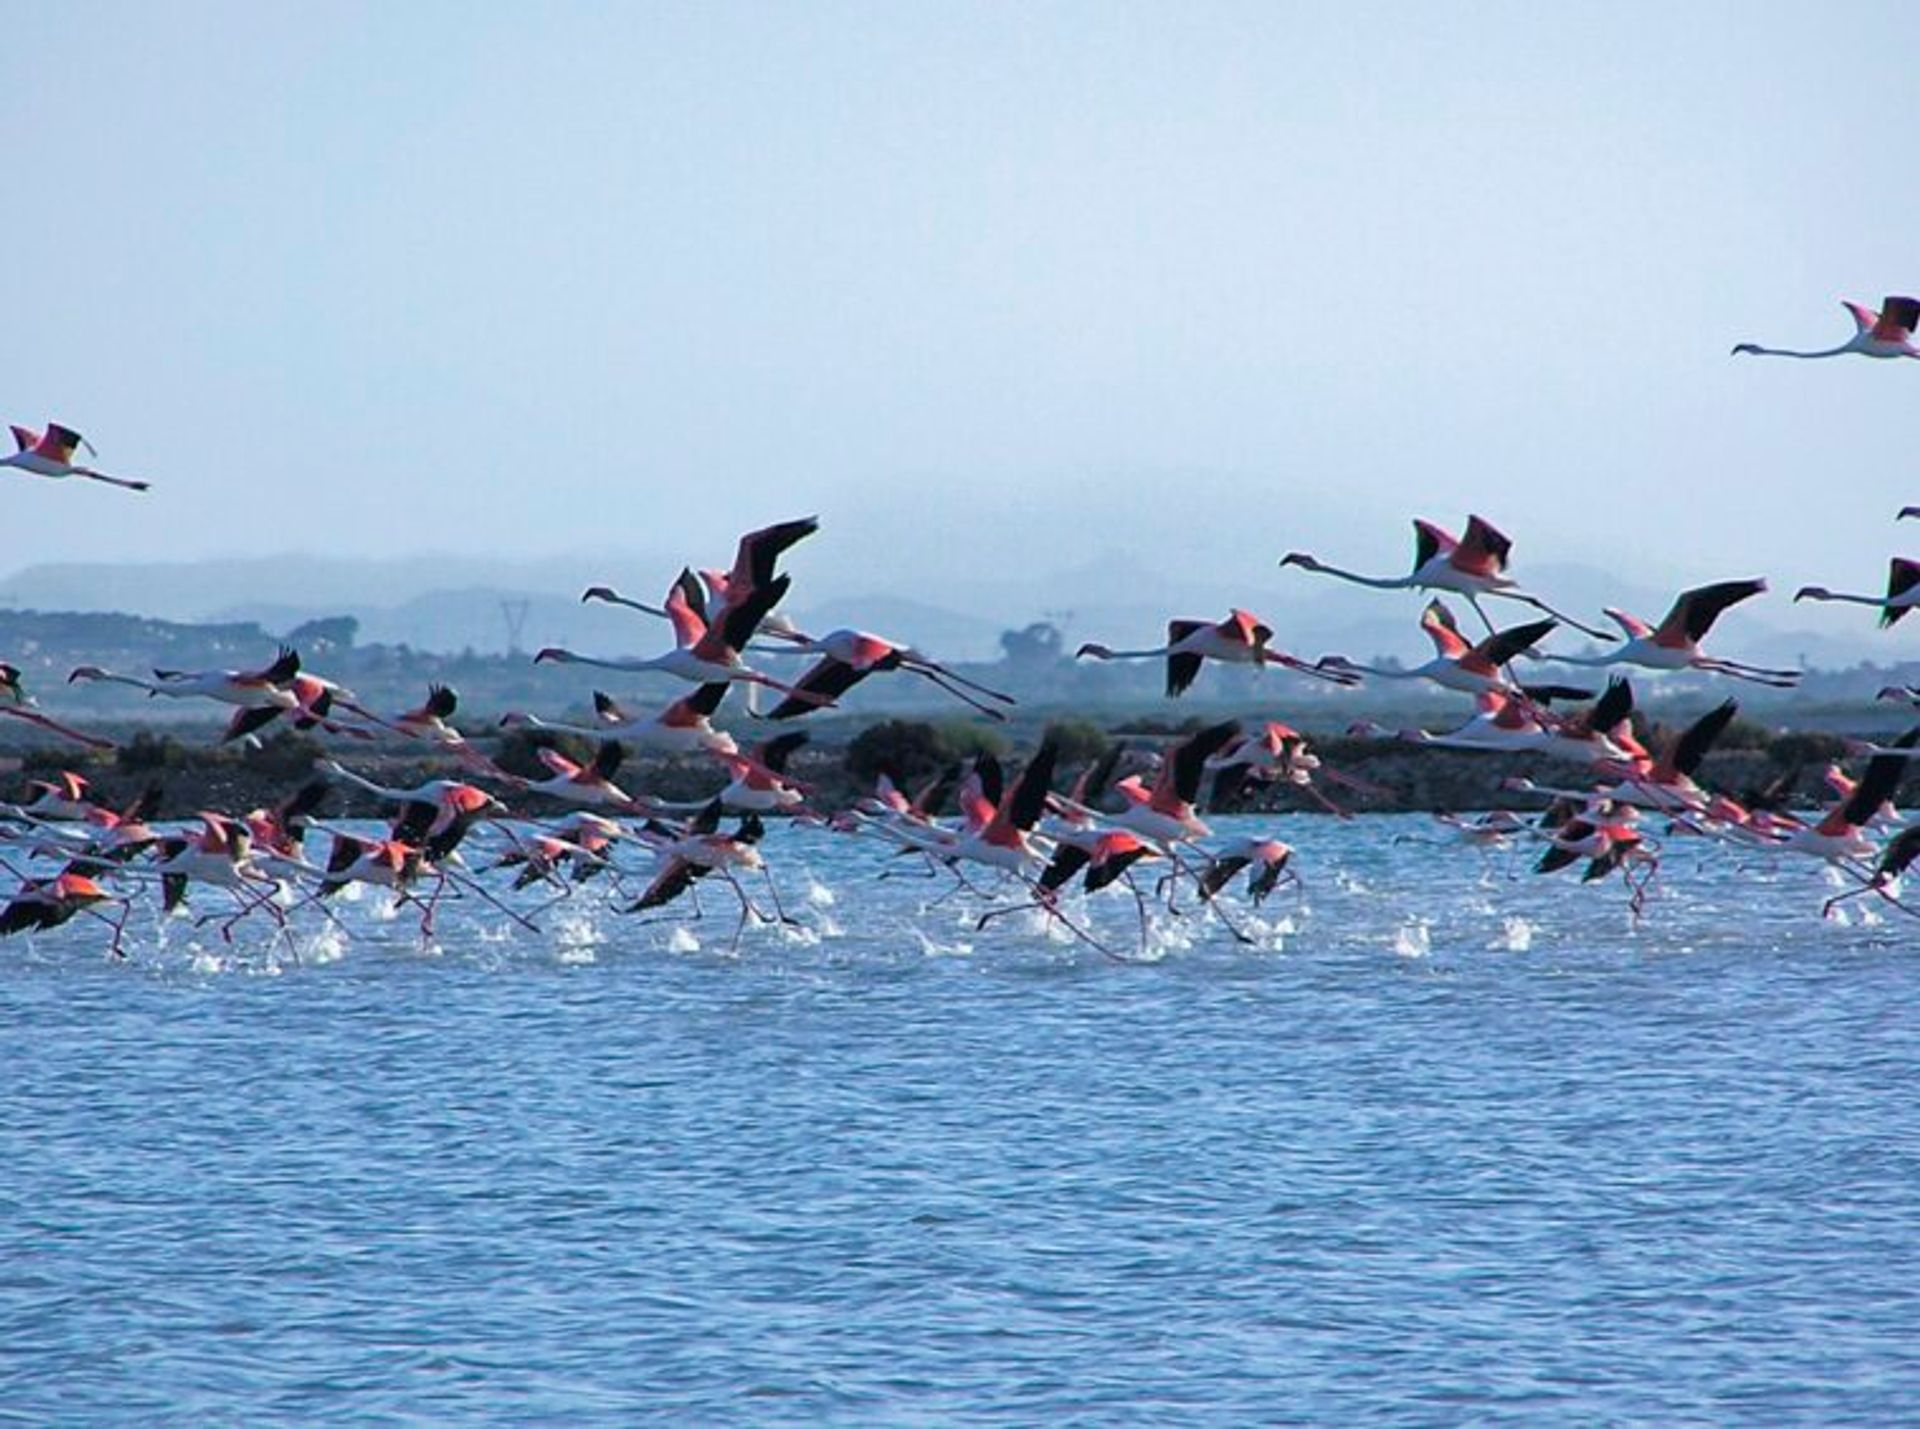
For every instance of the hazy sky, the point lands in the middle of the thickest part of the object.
(980, 284)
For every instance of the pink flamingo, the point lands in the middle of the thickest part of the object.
(1887, 333)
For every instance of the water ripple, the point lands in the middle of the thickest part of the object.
(1527, 1162)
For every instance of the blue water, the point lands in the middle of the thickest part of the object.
(1521, 1161)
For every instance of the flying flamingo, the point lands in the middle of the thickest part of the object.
(683, 727)
(754, 567)
(703, 653)
(248, 689)
(1268, 858)
(1240, 639)
(1472, 565)
(438, 811)
(51, 453)
(1887, 333)
(1842, 837)
(701, 849)
(16, 703)
(849, 656)
(40, 904)
(590, 783)
(1903, 592)
(1164, 812)
(1457, 663)
(1675, 643)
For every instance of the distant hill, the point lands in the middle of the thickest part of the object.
(453, 603)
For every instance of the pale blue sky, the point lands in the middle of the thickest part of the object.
(978, 283)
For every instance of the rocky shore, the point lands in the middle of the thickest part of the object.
(1384, 775)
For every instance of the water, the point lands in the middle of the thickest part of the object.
(1445, 1146)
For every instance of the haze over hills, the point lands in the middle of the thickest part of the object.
(451, 603)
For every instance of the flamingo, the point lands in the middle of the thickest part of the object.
(1268, 858)
(683, 727)
(589, 784)
(1164, 813)
(849, 656)
(16, 703)
(700, 849)
(220, 854)
(1240, 639)
(436, 814)
(379, 863)
(1605, 834)
(1512, 723)
(703, 653)
(249, 689)
(1458, 664)
(63, 797)
(41, 904)
(1903, 592)
(1887, 333)
(754, 567)
(1675, 643)
(760, 782)
(51, 453)
(1472, 565)
(1842, 836)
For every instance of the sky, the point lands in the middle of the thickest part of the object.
(992, 288)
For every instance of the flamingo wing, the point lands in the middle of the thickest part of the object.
(674, 879)
(58, 443)
(741, 620)
(1698, 737)
(1497, 649)
(1902, 576)
(1484, 549)
(1068, 859)
(759, 551)
(1898, 318)
(1189, 762)
(828, 678)
(1183, 667)
(1022, 807)
(684, 611)
(1878, 783)
(1429, 541)
(1441, 628)
(606, 759)
(557, 762)
(1900, 853)
(1695, 611)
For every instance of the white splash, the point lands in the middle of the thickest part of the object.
(1413, 939)
(682, 940)
(575, 937)
(328, 945)
(819, 895)
(955, 949)
(1516, 936)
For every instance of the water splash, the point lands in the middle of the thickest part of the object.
(932, 949)
(1516, 936)
(1414, 938)
(575, 938)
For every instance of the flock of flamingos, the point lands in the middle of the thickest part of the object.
(1017, 841)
